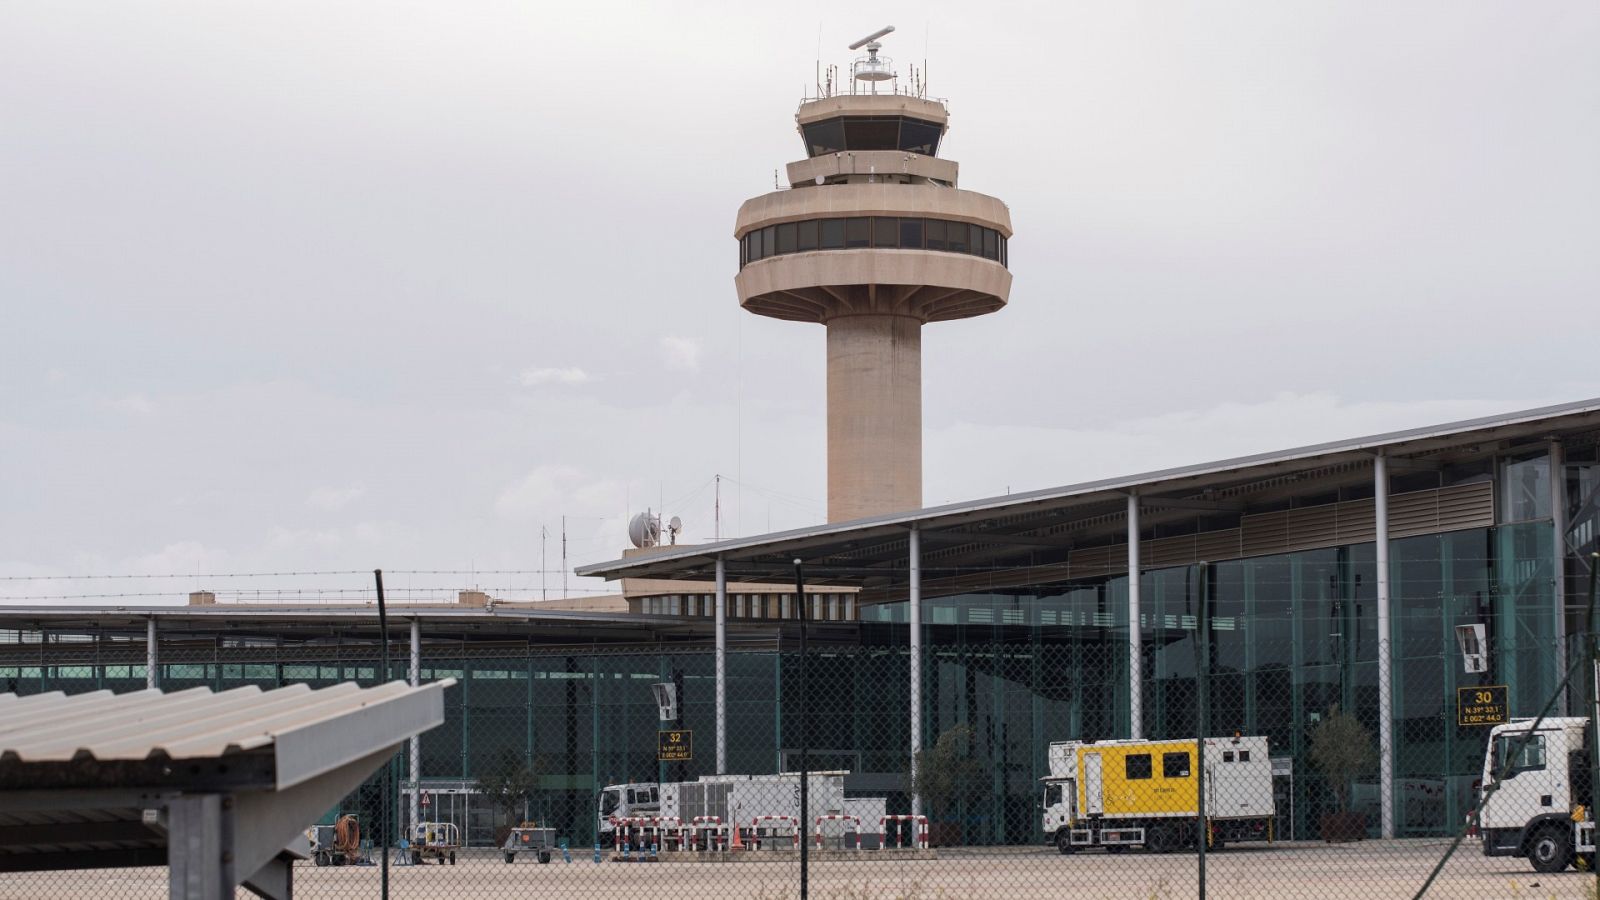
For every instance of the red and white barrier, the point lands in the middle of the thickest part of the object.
(920, 842)
(839, 818)
(794, 825)
(668, 828)
(713, 824)
(635, 830)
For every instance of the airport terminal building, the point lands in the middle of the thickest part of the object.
(1331, 575)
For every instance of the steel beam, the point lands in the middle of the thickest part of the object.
(199, 848)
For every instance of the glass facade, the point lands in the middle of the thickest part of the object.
(1290, 637)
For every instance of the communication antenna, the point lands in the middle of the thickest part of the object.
(644, 530)
(674, 528)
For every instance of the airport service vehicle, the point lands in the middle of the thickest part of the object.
(435, 840)
(730, 799)
(528, 837)
(338, 844)
(1128, 793)
(1543, 808)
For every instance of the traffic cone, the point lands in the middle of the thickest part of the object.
(737, 844)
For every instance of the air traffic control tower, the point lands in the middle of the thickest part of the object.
(873, 240)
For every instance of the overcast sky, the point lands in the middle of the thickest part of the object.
(335, 286)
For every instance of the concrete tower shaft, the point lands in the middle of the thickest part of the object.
(873, 240)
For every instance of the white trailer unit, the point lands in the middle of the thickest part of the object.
(742, 797)
(730, 798)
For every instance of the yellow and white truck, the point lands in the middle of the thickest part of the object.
(1132, 793)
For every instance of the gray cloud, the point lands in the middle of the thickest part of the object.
(271, 250)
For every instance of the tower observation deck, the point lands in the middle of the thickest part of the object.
(873, 239)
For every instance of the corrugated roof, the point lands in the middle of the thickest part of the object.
(301, 731)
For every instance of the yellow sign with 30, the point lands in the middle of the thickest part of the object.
(1482, 705)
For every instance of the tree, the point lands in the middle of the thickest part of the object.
(947, 772)
(508, 783)
(1341, 749)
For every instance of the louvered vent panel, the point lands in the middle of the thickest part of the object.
(1313, 526)
(1413, 513)
(1217, 545)
(1094, 561)
(1264, 534)
(1466, 506)
(1172, 551)
(1356, 525)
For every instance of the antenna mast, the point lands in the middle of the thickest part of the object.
(563, 557)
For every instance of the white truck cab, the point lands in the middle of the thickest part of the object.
(626, 801)
(1542, 809)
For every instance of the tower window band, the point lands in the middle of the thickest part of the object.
(896, 232)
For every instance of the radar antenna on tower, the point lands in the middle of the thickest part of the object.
(872, 68)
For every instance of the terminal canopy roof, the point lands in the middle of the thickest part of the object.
(1027, 539)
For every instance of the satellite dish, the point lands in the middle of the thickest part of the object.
(820, 179)
(674, 527)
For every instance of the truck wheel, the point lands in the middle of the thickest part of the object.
(1550, 850)
(544, 857)
(1158, 839)
(452, 857)
(1064, 841)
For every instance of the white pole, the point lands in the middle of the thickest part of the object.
(151, 660)
(914, 602)
(1380, 494)
(416, 740)
(1135, 635)
(722, 667)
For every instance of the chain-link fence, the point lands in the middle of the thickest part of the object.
(555, 771)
